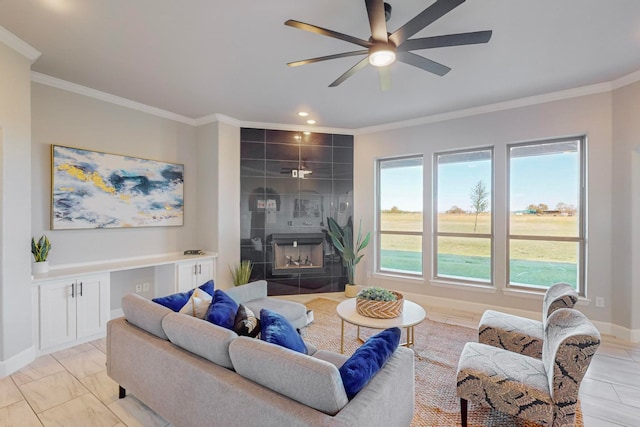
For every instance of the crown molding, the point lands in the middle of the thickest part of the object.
(217, 117)
(19, 45)
(626, 80)
(107, 97)
(490, 108)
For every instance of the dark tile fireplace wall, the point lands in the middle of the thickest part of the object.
(275, 201)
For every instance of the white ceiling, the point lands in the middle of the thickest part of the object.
(202, 57)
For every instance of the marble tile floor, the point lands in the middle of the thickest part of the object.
(70, 388)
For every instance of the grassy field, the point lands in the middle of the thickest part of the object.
(532, 262)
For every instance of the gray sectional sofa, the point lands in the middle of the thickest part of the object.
(194, 373)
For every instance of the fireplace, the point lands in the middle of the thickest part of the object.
(298, 253)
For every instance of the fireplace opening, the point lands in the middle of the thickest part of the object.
(298, 253)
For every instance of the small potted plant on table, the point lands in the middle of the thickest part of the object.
(40, 251)
(379, 303)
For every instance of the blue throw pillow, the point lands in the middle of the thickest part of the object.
(176, 301)
(368, 360)
(275, 329)
(222, 311)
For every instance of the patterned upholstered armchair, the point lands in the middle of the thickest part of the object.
(519, 334)
(543, 391)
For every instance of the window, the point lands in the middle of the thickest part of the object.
(462, 215)
(399, 236)
(546, 241)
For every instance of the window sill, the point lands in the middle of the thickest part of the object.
(399, 277)
(466, 286)
(539, 295)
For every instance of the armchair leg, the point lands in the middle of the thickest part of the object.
(121, 392)
(463, 412)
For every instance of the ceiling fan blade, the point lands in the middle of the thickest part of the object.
(350, 72)
(328, 33)
(326, 58)
(446, 41)
(377, 21)
(385, 77)
(423, 63)
(424, 18)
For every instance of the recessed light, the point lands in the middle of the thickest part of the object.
(311, 122)
(303, 113)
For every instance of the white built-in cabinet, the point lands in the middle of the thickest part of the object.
(190, 274)
(72, 304)
(72, 310)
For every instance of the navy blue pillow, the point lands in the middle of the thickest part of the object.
(222, 310)
(176, 301)
(368, 360)
(275, 329)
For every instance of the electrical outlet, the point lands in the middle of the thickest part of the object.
(138, 288)
(145, 287)
(600, 302)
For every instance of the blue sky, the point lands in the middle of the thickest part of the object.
(548, 179)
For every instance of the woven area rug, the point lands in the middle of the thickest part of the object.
(437, 350)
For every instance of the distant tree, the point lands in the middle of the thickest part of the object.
(539, 208)
(479, 200)
(455, 210)
(566, 209)
(395, 209)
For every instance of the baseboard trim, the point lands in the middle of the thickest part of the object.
(17, 362)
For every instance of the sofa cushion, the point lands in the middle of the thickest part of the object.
(222, 311)
(275, 329)
(294, 312)
(368, 360)
(310, 381)
(199, 337)
(145, 314)
(246, 323)
(198, 304)
(176, 301)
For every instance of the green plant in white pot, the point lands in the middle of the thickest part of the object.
(40, 251)
(241, 273)
(342, 239)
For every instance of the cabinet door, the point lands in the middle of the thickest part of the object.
(92, 305)
(57, 313)
(205, 271)
(185, 276)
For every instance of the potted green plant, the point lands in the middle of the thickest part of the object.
(241, 273)
(40, 251)
(342, 239)
(379, 303)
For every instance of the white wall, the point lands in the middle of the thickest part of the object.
(590, 115)
(626, 205)
(65, 118)
(15, 212)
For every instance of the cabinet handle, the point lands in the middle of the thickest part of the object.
(80, 288)
(73, 290)
(199, 268)
(195, 270)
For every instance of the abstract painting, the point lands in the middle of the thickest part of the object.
(90, 189)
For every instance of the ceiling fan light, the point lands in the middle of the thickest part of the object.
(382, 56)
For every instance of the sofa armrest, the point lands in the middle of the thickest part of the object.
(248, 292)
(388, 399)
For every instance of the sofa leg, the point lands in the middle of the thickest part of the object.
(463, 412)
(121, 392)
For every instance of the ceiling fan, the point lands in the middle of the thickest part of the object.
(383, 48)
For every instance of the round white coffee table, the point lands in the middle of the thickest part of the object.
(412, 314)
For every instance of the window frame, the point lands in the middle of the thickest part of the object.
(378, 221)
(581, 211)
(436, 233)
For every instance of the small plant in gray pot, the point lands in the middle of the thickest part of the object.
(40, 251)
(350, 250)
